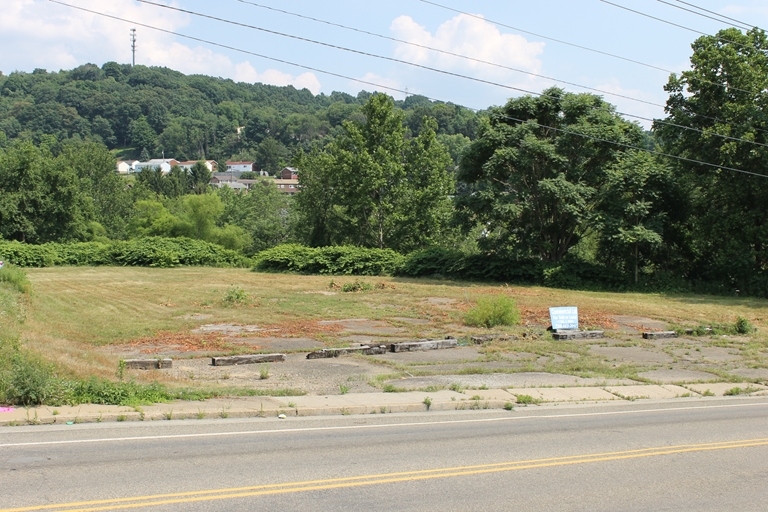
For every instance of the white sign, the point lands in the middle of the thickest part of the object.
(564, 317)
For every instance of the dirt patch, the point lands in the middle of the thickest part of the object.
(539, 316)
(166, 343)
(362, 326)
(638, 324)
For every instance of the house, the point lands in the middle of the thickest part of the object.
(238, 168)
(234, 185)
(289, 186)
(289, 173)
(164, 164)
(187, 165)
(126, 166)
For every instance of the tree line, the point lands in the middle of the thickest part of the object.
(559, 179)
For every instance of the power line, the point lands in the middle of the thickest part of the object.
(394, 89)
(662, 20)
(574, 45)
(446, 52)
(651, 66)
(720, 20)
(429, 68)
(747, 25)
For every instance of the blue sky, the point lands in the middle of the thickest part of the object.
(42, 34)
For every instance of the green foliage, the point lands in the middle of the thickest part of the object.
(236, 296)
(373, 187)
(30, 382)
(723, 93)
(356, 286)
(142, 252)
(535, 189)
(265, 214)
(329, 260)
(15, 278)
(492, 311)
(743, 326)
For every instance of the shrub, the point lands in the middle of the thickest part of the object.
(493, 311)
(236, 296)
(30, 382)
(15, 277)
(357, 286)
(743, 326)
(141, 252)
(335, 260)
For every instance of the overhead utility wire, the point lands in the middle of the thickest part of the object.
(692, 11)
(721, 15)
(333, 24)
(662, 20)
(651, 66)
(607, 54)
(436, 70)
(394, 89)
(446, 52)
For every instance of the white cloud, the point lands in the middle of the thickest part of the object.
(46, 35)
(245, 72)
(468, 36)
(372, 82)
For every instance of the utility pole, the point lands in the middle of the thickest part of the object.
(133, 46)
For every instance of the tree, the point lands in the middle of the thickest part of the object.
(724, 97)
(264, 213)
(199, 177)
(40, 197)
(531, 179)
(142, 135)
(372, 187)
(635, 201)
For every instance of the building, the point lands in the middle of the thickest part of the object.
(126, 166)
(164, 164)
(187, 165)
(289, 186)
(237, 168)
(289, 173)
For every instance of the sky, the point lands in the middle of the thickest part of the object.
(522, 43)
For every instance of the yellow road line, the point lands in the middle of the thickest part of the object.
(376, 479)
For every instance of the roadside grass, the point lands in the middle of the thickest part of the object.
(75, 310)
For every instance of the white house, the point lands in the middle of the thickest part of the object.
(188, 164)
(164, 165)
(126, 166)
(240, 167)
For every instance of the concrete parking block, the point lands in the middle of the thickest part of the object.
(721, 388)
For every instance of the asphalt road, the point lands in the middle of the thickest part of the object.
(697, 454)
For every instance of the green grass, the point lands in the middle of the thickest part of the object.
(492, 311)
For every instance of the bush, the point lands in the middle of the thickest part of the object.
(141, 252)
(743, 326)
(493, 311)
(335, 260)
(30, 382)
(15, 277)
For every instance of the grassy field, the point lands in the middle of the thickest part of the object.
(74, 313)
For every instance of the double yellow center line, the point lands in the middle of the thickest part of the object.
(385, 478)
